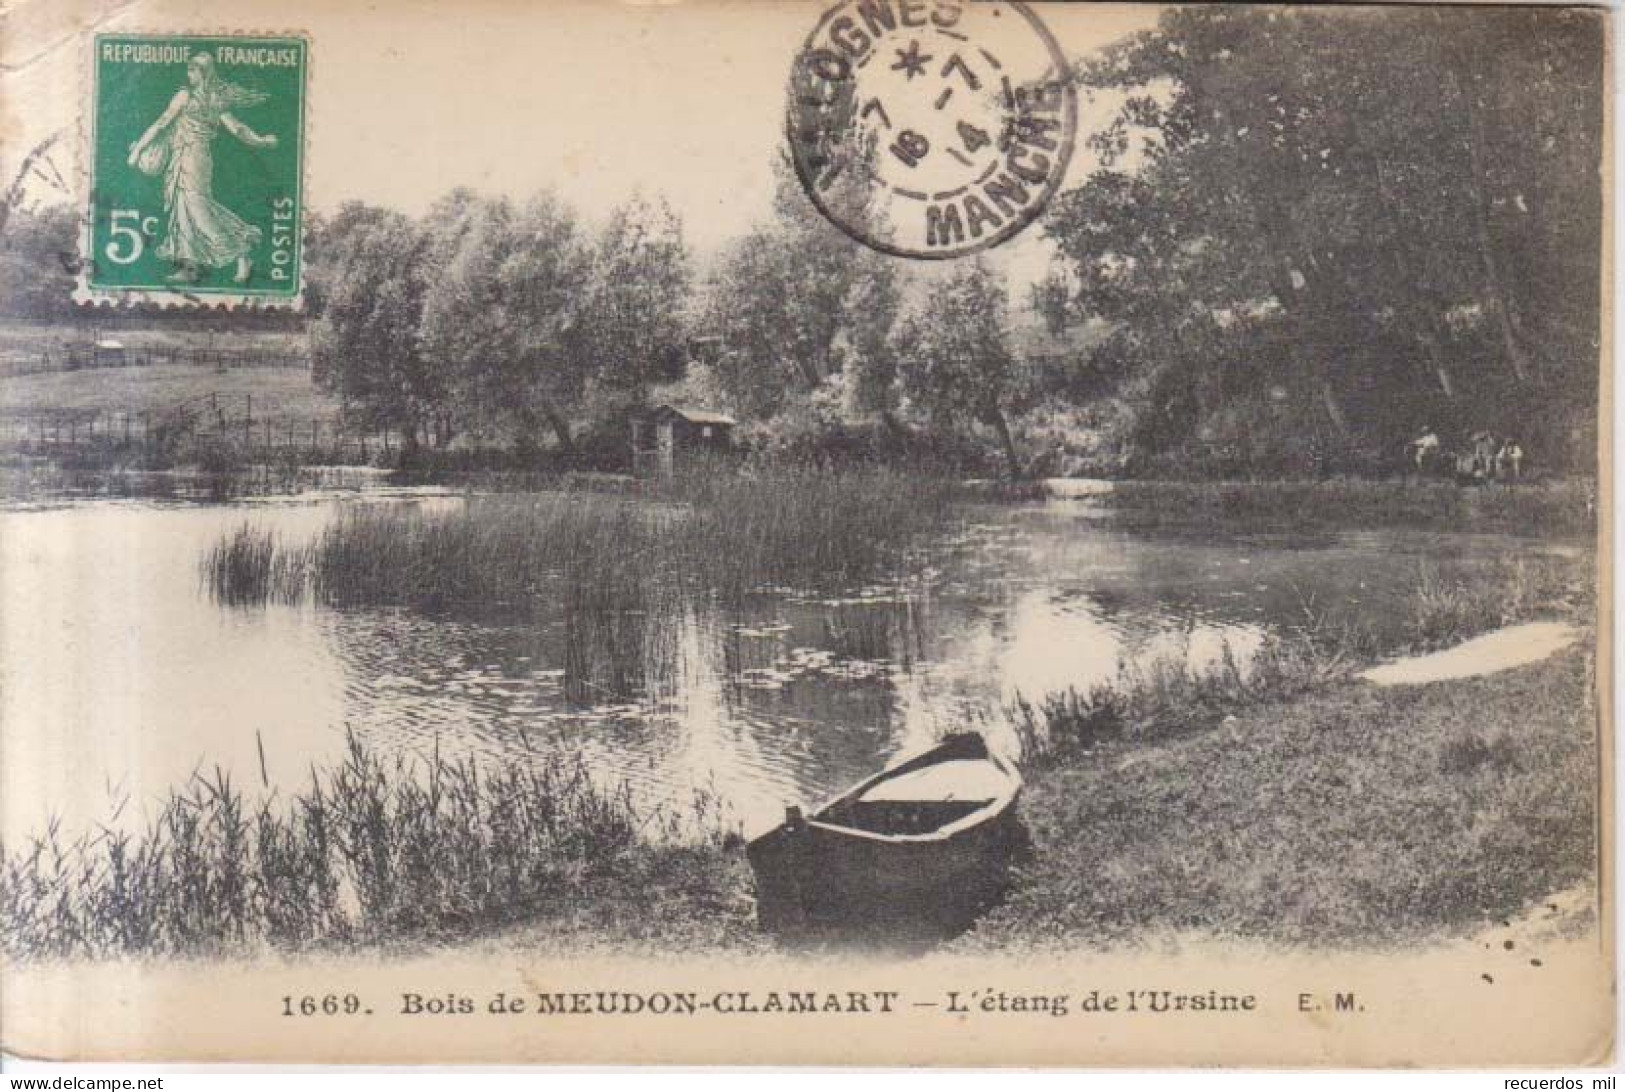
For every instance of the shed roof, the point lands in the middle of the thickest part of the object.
(692, 415)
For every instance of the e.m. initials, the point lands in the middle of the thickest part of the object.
(1337, 1002)
(1032, 150)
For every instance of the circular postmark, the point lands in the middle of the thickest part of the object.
(931, 128)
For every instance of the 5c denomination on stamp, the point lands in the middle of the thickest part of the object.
(196, 169)
(931, 128)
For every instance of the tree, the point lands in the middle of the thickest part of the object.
(633, 328)
(494, 318)
(795, 302)
(39, 256)
(1350, 222)
(368, 277)
(869, 359)
(500, 310)
(955, 356)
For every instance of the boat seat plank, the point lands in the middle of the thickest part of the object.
(961, 779)
(902, 817)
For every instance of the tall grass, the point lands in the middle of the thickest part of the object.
(1170, 694)
(1445, 608)
(1164, 696)
(809, 527)
(1448, 602)
(245, 567)
(589, 552)
(371, 850)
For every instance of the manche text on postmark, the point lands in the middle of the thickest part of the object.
(931, 128)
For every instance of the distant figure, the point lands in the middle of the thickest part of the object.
(1483, 456)
(1509, 460)
(1424, 451)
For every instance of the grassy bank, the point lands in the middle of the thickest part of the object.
(723, 533)
(1555, 508)
(1346, 815)
(1286, 800)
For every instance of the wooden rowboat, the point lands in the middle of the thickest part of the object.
(920, 848)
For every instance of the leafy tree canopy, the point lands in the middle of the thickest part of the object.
(1346, 224)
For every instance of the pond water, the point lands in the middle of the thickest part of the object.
(119, 677)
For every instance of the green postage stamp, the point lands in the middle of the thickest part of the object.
(196, 165)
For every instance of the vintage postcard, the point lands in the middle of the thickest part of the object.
(845, 532)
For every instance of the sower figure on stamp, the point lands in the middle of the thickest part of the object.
(202, 233)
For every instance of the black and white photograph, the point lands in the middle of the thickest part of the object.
(896, 532)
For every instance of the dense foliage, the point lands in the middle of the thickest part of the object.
(491, 318)
(1324, 229)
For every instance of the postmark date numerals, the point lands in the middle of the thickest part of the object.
(973, 137)
(957, 63)
(910, 147)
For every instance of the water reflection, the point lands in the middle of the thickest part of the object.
(117, 674)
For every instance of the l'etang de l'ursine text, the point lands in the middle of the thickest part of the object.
(968, 1002)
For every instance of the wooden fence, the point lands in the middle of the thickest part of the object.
(78, 357)
(209, 420)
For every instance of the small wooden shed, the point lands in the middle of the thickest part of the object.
(663, 436)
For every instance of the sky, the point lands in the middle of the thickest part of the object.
(597, 100)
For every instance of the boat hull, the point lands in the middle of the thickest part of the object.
(817, 877)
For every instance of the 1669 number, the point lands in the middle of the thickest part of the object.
(331, 1004)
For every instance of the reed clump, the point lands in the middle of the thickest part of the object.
(246, 568)
(590, 552)
(1171, 693)
(1448, 602)
(1446, 607)
(808, 527)
(238, 567)
(1166, 695)
(372, 850)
